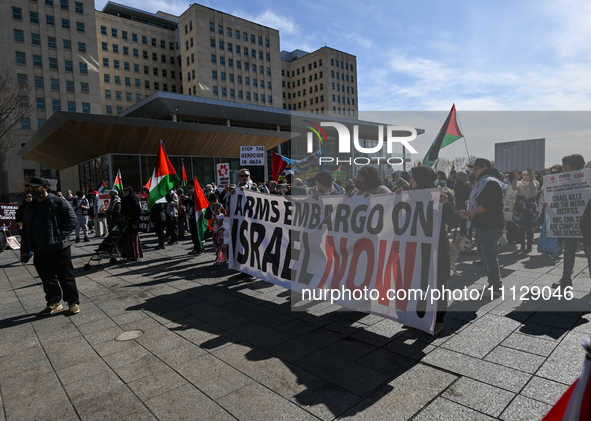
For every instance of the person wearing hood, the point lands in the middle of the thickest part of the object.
(114, 210)
(131, 248)
(81, 206)
(324, 185)
(424, 177)
(485, 215)
(369, 182)
(47, 224)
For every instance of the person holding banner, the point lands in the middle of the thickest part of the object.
(571, 163)
(425, 177)
(485, 213)
(323, 181)
(369, 182)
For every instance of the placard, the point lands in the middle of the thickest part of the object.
(252, 156)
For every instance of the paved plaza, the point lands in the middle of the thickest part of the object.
(214, 347)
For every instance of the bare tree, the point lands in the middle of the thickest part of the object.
(14, 106)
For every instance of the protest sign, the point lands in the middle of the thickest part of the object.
(520, 155)
(566, 194)
(8, 215)
(252, 156)
(375, 254)
(223, 174)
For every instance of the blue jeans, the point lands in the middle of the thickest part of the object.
(488, 251)
(570, 249)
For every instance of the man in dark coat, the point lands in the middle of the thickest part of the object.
(47, 225)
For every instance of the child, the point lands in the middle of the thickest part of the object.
(221, 249)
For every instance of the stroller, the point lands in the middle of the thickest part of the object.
(109, 248)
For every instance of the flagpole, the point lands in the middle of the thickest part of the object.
(464, 133)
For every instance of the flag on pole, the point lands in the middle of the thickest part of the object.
(163, 178)
(201, 204)
(449, 133)
(183, 176)
(102, 188)
(279, 165)
(147, 186)
(118, 183)
(575, 404)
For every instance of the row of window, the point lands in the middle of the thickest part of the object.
(136, 69)
(338, 99)
(134, 38)
(136, 53)
(303, 91)
(38, 62)
(343, 64)
(55, 103)
(343, 76)
(17, 14)
(230, 47)
(64, 5)
(71, 107)
(255, 83)
(137, 83)
(109, 108)
(318, 110)
(119, 96)
(247, 95)
(303, 80)
(54, 84)
(311, 99)
(237, 34)
(19, 36)
(239, 64)
(297, 71)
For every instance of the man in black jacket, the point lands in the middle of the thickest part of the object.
(485, 210)
(47, 225)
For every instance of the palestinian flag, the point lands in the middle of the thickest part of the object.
(102, 188)
(279, 165)
(163, 179)
(449, 133)
(118, 183)
(183, 177)
(201, 204)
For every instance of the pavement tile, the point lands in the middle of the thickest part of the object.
(529, 343)
(144, 366)
(282, 377)
(213, 376)
(351, 348)
(477, 369)
(186, 403)
(258, 335)
(479, 396)
(321, 337)
(181, 354)
(113, 347)
(544, 390)
(409, 347)
(157, 384)
(565, 362)
(126, 356)
(293, 350)
(525, 409)
(518, 360)
(325, 400)
(404, 396)
(386, 362)
(442, 409)
(255, 402)
(83, 371)
(342, 372)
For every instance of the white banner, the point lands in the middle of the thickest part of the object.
(566, 194)
(376, 254)
(252, 156)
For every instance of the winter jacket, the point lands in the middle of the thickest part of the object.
(47, 225)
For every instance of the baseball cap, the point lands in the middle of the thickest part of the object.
(37, 181)
(481, 162)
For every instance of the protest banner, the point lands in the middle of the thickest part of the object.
(375, 254)
(566, 194)
(520, 155)
(8, 215)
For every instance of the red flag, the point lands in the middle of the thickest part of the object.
(183, 176)
(279, 165)
(419, 164)
(453, 168)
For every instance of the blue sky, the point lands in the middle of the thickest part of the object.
(426, 55)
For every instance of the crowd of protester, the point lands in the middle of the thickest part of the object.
(480, 203)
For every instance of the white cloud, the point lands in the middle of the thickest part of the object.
(271, 19)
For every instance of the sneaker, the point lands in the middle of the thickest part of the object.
(86, 240)
(74, 308)
(438, 328)
(77, 240)
(51, 308)
(159, 247)
(563, 283)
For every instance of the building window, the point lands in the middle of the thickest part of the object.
(125, 51)
(119, 109)
(116, 64)
(155, 71)
(69, 86)
(40, 104)
(19, 36)
(144, 39)
(128, 96)
(138, 83)
(50, 20)
(215, 90)
(136, 52)
(86, 108)
(35, 39)
(80, 27)
(214, 74)
(255, 96)
(37, 61)
(79, 7)
(138, 97)
(69, 66)
(34, 17)
(248, 96)
(213, 59)
(146, 70)
(134, 37)
(67, 44)
(71, 106)
(66, 23)
(147, 84)
(127, 81)
(81, 47)
(26, 124)
(253, 53)
(84, 68)
(244, 36)
(116, 48)
(117, 80)
(84, 87)
(260, 41)
(239, 94)
(223, 91)
(64, 5)
(114, 32)
(17, 13)
(162, 43)
(22, 79)
(222, 61)
(105, 62)
(107, 78)
(103, 30)
(56, 104)
(172, 75)
(109, 110)
(212, 42)
(211, 26)
(105, 46)
(136, 68)
(145, 54)
(155, 56)
(124, 34)
(118, 95)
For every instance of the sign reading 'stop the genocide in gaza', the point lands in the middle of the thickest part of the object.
(252, 155)
(566, 194)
